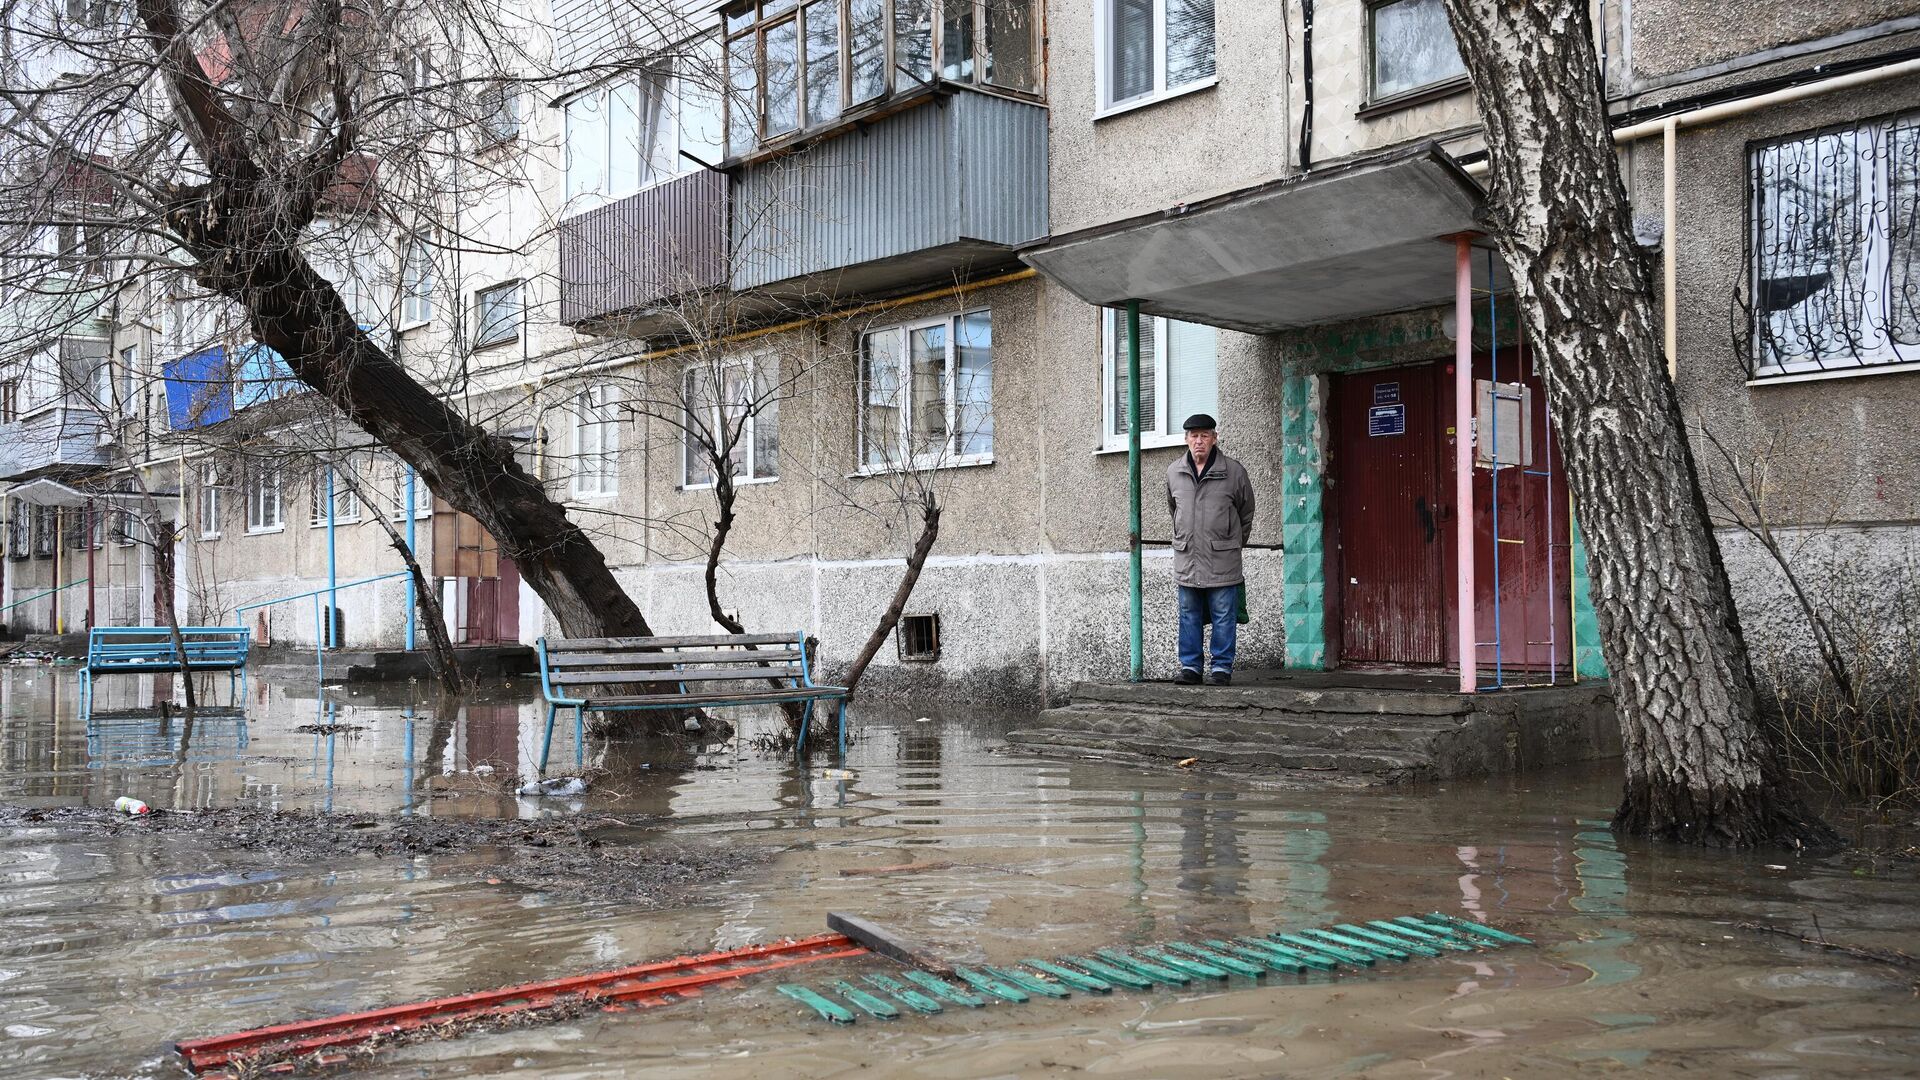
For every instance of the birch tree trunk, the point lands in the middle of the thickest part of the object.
(1700, 767)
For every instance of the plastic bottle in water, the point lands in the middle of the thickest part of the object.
(127, 805)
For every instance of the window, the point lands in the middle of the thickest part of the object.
(416, 284)
(793, 66)
(1179, 376)
(732, 407)
(86, 368)
(46, 527)
(209, 501)
(1152, 48)
(89, 13)
(9, 401)
(398, 473)
(19, 529)
(346, 504)
(1836, 268)
(121, 527)
(1410, 48)
(263, 499)
(496, 314)
(596, 443)
(499, 113)
(926, 393)
(644, 129)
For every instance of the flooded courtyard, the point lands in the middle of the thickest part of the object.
(118, 939)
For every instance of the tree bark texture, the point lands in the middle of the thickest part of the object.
(244, 227)
(1700, 767)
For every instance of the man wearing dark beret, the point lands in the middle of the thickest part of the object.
(1211, 500)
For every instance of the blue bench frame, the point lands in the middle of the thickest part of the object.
(137, 650)
(659, 652)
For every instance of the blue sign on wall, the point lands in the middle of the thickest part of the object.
(1387, 420)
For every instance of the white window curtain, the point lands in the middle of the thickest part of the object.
(1179, 376)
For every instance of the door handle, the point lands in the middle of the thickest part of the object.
(1426, 515)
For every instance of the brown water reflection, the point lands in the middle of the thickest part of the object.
(111, 947)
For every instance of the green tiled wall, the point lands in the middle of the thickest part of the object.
(1588, 663)
(1303, 558)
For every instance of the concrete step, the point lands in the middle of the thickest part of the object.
(1274, 696)
(1382, 764)
(1341, 731)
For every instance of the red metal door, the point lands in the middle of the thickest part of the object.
(1522, 543)
(493, 607)
(1390, 555)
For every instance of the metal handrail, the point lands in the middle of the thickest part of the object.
(49, 592)
(318, 592)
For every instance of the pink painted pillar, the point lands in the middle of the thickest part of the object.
(1463, 458)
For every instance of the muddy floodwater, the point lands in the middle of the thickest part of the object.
(116, 941)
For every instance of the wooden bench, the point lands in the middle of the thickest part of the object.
(134, 650)
(707, 670)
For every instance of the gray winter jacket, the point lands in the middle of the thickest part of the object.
(1212, 516)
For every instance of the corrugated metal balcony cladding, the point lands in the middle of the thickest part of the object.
(55, 437)
(647, 248)
(960, 176)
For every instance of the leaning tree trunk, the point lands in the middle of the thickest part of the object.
(1700, 767)
(243, 226)
(890, 618)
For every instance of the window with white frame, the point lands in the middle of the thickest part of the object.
(496, 314)
(1836, 254)
(733, 407)
(346, 504)
(1179, 376)
(642, 129)
(1410, 48)
(926, 393)
(399, 473)
(209, 500)
(263, 499)
(596, 443)
(416, 284)
(1152, 48)
(793, 66)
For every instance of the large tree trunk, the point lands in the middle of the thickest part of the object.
(244, 226)
(1700, 768)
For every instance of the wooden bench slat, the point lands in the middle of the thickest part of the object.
(723, 656)
(578, 678)
(802, 693)
(679, 642)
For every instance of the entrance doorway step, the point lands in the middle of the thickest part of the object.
(295, 662)
(1358, 728)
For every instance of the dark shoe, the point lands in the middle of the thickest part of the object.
(1187, 677)
(1219, 678)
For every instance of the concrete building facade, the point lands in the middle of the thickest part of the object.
(919, 264)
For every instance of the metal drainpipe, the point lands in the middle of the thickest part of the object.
(1670, 331)
(413, 601)
(1463, 461)
(1137, 628)
(333, 578)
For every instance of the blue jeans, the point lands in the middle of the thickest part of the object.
(1198, 607)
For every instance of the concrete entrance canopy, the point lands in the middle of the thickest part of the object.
(1355, 240)
(45, 492)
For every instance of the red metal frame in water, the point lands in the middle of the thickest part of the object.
(646, 984)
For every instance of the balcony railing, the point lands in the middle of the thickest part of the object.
(629, 261)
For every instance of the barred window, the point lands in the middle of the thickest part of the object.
(1836, 261)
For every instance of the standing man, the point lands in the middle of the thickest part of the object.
(1211, 500)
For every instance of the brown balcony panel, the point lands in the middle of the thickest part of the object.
(623, 262)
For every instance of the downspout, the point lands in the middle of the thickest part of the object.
(412, 599)
(1306, 83)
(1466, 626)
(1137, 629)
(333, 577)
(1670, 332)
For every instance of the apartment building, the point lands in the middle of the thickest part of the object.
(891, 258)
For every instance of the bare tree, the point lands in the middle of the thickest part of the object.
(1700, 767)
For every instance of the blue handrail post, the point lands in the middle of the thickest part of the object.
(413, 602)
(319, 653)
(333, 567)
